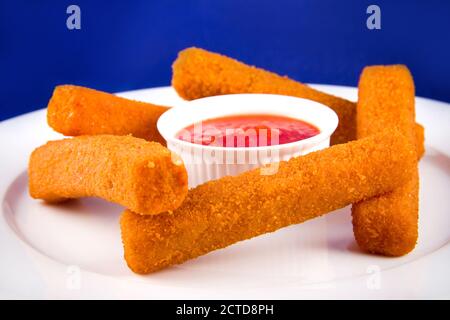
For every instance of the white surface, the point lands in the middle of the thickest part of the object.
(74, 250)
(204, 163)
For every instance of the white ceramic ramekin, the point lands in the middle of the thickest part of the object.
(204, 163)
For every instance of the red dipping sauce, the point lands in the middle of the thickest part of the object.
(254, 130)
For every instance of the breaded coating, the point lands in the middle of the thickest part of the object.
(198, 73)
(133, 172)
(388, 224)
(75, 111)
(420, 140)
(231, 209)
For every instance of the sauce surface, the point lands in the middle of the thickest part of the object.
(254, 130)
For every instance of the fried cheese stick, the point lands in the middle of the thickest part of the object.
(74, 111)
(387, 224)
(199, 73)
(130, 171)
(222, 212)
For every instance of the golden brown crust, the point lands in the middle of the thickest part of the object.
(222, 212)
(420, 140)
(75, 111)
(198, 73)
(388, 224)
(130, 171)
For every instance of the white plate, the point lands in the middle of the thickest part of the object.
(74, 250)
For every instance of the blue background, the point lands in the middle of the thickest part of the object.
(127, 45)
